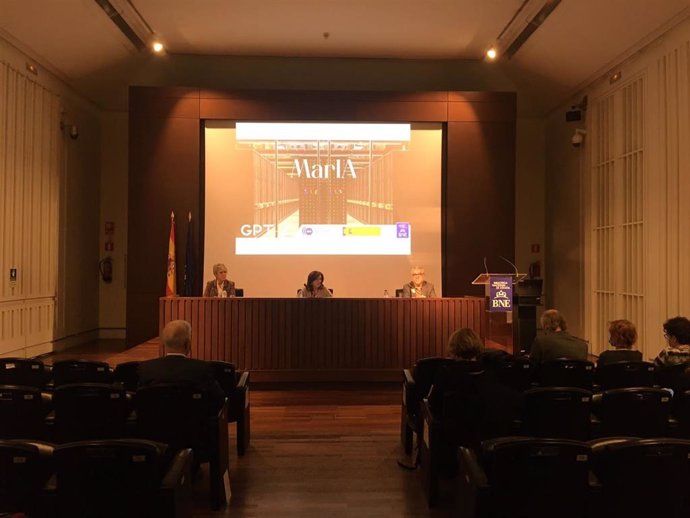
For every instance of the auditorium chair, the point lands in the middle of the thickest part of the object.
(183, 417)
(416, 385)
(682, 413)
(90, 411)
(560, 412)
(635, 412)
(24, 372)
(524, 477)
(23, 411)
(567, 373)
(127, 375)
(235, 384)
(465, 420)
(516, 372)
(81, 371)
(25, 467)
(625, 374)
(121, 477)
(673, 377)
(642, 477)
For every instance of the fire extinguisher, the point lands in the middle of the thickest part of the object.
(105, 266)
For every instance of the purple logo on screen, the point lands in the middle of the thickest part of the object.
(403, 230)
(307, 231)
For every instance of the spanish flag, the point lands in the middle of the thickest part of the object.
(171, 284)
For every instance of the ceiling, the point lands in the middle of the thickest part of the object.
(77, 41)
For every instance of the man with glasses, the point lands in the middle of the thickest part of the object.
(418, 288)
(677, 350)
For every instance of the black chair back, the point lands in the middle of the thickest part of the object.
(560, 412)
(682, 411)
(113, 478)
(635, 412)
(537, 478)
(24, 372)
(673, 377)
(175, 415)
(567, 373)
(425, 371)
(22, 413)
(643, 477)
(516, 372)
(127, 375)
(25, 467)
(90, 411)
(226, 376)
(625, 374)
(81, 371)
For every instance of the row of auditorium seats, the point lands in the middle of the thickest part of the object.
(523, 477)
(521, 375)
(174, 415)
(109, 478)
(56, 389)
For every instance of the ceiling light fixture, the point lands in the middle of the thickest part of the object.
(491, 54)
(157, 47)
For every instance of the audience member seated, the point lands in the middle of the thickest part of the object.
(556, 342)
(221, 286)
(677, 350)
(466, 405)
(418, 288)
(622, 337)
(315, 288)
(176, 368)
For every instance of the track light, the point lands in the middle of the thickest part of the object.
(491, 54)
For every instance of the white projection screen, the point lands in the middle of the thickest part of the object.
(359, 202)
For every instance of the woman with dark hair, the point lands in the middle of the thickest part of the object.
(314, 288)
(622, 337)
(677, 350)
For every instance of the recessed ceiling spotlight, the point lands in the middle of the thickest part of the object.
(491, 54)
(157, 47)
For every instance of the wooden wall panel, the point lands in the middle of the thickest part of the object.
(325, 339)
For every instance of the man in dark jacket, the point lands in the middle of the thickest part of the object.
(176, 367)
(556, 342)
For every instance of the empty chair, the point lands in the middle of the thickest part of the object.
(81, 371)
(567, 373)
(22, 413)
(89, 411)
(516, 372)
(117, 478)
(635, 412)
(127, 375)
(184, 417)
(642, 478)
(682, 411)
(673, 377)
(416, 385)
(25, 467)
(625, 374)
(561, 412)
(236, 387)
(520, 477)
(24, 372)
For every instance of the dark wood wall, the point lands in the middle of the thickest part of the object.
(166, 174)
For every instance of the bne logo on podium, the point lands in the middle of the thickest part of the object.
(501, 294)
(339, 169)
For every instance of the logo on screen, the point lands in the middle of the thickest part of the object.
(338, 169)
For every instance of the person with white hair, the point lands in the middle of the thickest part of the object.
(221, 286)
(556, 342)
(418, 288)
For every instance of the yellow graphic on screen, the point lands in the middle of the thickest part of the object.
(361, 231)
